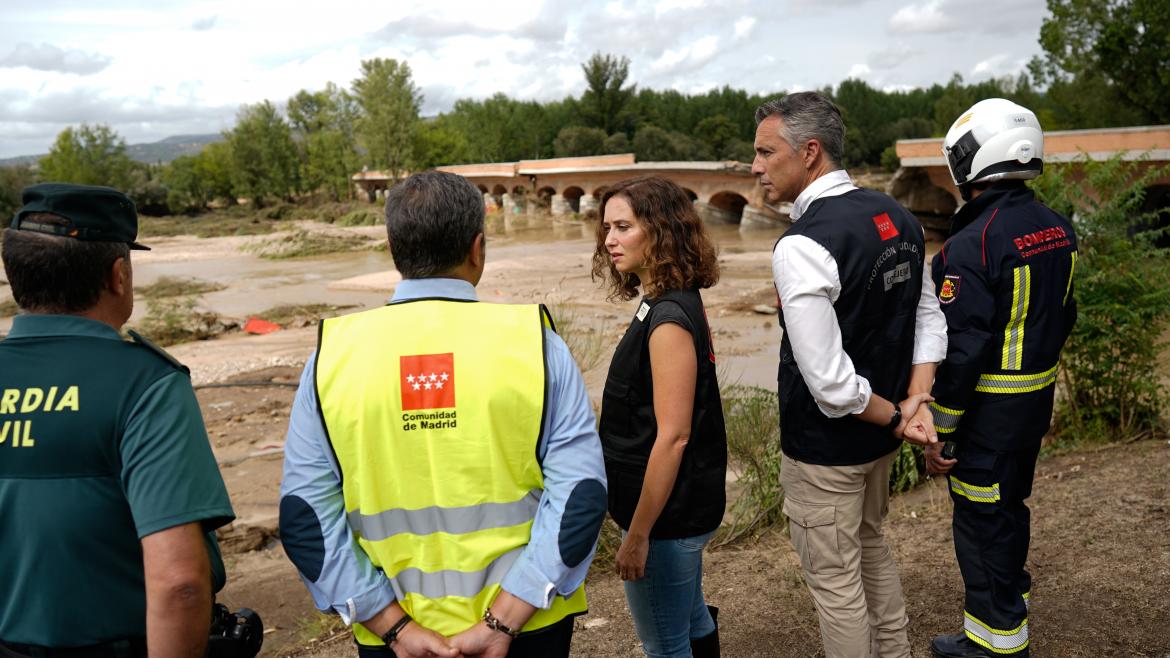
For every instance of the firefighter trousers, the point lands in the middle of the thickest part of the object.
(991, 525)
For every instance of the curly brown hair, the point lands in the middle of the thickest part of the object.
(681, 255)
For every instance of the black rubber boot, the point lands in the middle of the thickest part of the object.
(708, 645)
(961, 646)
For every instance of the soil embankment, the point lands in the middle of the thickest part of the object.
(1101, 518)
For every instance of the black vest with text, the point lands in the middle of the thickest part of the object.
(628, 428)
(879, 249)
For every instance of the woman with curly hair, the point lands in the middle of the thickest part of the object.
(661, 416)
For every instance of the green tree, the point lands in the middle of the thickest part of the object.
(194, 181)
(324, 124)
(264, 157)
(1106, 63)
(12, 181)
(88, 155)
(617, 143)
(653, 144)
(579, 140)
(717, 132)
(603, 105)
(438, 143)
(390, 102)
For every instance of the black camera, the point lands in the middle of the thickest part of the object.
(234, 634)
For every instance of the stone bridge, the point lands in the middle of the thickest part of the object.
(723, 192)
(923, 182)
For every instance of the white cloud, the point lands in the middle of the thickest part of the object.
(892, 57)
(665, 6)
(858, 71)
(204, 24)
(173, 66)
(926, 18)
(744, 26)
(47, 57)
(687, 58)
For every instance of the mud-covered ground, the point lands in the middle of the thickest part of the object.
(1101, 517)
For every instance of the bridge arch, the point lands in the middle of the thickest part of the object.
(691, 194)
(573, 196)
(726, 207)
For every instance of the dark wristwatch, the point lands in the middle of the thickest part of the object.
(895, 420)
(391, 636)
(496, 625)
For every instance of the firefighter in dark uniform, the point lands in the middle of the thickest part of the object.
(1005, 284)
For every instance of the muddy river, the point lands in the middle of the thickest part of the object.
(543, 261)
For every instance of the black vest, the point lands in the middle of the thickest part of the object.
(879, 250)
(628, 429)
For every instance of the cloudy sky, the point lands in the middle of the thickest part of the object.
(168, 67)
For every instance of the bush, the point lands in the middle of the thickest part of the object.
(1109, 380)
(360, 217)
(890, 160)
(752, 418)
(171, 320)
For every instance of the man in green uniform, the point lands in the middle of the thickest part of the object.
(108, 488)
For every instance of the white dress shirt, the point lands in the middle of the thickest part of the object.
(809, 284)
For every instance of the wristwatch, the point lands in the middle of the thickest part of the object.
(895, 420)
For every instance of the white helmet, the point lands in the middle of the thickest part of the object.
(994, 140)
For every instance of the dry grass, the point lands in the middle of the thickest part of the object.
(302, 244)
(173, 286)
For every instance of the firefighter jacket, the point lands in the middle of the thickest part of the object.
(1005, 284)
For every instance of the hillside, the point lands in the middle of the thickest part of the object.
(164, 150)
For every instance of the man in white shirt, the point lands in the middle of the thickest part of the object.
(862, 328)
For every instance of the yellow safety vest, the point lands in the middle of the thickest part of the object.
(434, 409)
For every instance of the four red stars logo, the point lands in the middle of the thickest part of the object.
(427, 381)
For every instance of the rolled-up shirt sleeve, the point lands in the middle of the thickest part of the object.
(573, 504)
(313, 527)
(808, 283)
(930, 326)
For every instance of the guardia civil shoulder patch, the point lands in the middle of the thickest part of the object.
(950, 289)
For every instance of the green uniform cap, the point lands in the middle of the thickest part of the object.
(92, 213)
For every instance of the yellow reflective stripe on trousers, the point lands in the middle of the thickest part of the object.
(451, 520)
(994, 639)
(946, 420)
(974, 492)
(1000, 383)
(1013, 334)
(1071, 270)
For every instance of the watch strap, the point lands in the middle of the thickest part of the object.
(391, 636)
(496, 625)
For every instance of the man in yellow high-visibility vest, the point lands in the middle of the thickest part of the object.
(443, 483)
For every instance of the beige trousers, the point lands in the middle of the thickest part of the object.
(835, 518)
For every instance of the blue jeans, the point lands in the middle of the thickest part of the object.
(667, 603)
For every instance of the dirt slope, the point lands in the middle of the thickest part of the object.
(1100, 555)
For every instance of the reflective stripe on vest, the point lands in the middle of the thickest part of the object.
(434, 409)
(974, 492)
(1007, 384)
(994, 639)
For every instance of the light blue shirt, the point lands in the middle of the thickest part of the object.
(347, 582)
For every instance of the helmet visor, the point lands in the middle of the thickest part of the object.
(961, 155)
